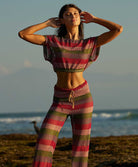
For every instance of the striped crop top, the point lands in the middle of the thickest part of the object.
(70, 55)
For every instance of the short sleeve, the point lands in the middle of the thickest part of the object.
(95, 50)
(47, 49)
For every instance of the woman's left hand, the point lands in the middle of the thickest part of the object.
(87, 17)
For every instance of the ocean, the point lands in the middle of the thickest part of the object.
(104, 123)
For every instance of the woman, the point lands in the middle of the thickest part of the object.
(70, 55)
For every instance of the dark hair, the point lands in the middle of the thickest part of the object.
(62, 31)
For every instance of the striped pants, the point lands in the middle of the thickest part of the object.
(76, 103)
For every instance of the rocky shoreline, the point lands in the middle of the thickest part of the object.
(17, 150)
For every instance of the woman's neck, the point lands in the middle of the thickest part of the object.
(73, 33)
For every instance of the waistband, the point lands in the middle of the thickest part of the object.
(69, 94)
(73, 89)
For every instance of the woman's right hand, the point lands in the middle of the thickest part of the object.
(54, 22)
(28, 33)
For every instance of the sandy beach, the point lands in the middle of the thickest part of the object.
(17, 150)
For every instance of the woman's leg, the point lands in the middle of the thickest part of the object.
(81, 127)
(47, 139)
(81, 119)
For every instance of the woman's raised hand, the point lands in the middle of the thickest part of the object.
(28, 33)
(54, 22)
(86, 17)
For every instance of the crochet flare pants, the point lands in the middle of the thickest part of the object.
(78, 104)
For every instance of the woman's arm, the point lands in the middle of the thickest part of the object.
(28, 33)
(115, 29)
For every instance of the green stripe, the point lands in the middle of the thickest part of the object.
(80, 159)
(49, 132)
(61, 100)
(86, 115)
(68, 70)
(86, 51)
(81, 137)
(75, 99)
(51, 112)
(83, 97)
(44, 153)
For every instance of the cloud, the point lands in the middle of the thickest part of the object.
(27, 64)
(4, 70)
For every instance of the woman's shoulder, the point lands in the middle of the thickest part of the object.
(91, 38)
(51, 38)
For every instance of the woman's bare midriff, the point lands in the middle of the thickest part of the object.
(69, 80)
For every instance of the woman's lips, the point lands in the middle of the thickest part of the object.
(73, 20)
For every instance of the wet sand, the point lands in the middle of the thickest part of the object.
(17, 150)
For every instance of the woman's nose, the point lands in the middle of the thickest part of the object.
(72, 15)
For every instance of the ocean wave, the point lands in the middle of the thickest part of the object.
(24, 119)
(96, 115)
(127, 115)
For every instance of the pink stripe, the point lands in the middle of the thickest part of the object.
(80, 153)
(65, 106)
(45, 148)
(71, 43)
(86, 45)
(81, 132)
(78, 91)
(65, 94)
(51, 126)
(49, 137)
(47, 142)
(42, 164)
(68, 111)
(55, 122)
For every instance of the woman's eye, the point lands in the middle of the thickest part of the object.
(70, 14)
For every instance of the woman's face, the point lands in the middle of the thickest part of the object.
(71, 17)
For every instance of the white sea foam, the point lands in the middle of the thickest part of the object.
(111, 115)
(24, 119)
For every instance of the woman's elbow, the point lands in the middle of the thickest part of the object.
(21, 34)
(120, 29)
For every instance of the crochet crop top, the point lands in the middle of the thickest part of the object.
(70, 55)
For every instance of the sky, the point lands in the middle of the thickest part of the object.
(27, 80)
